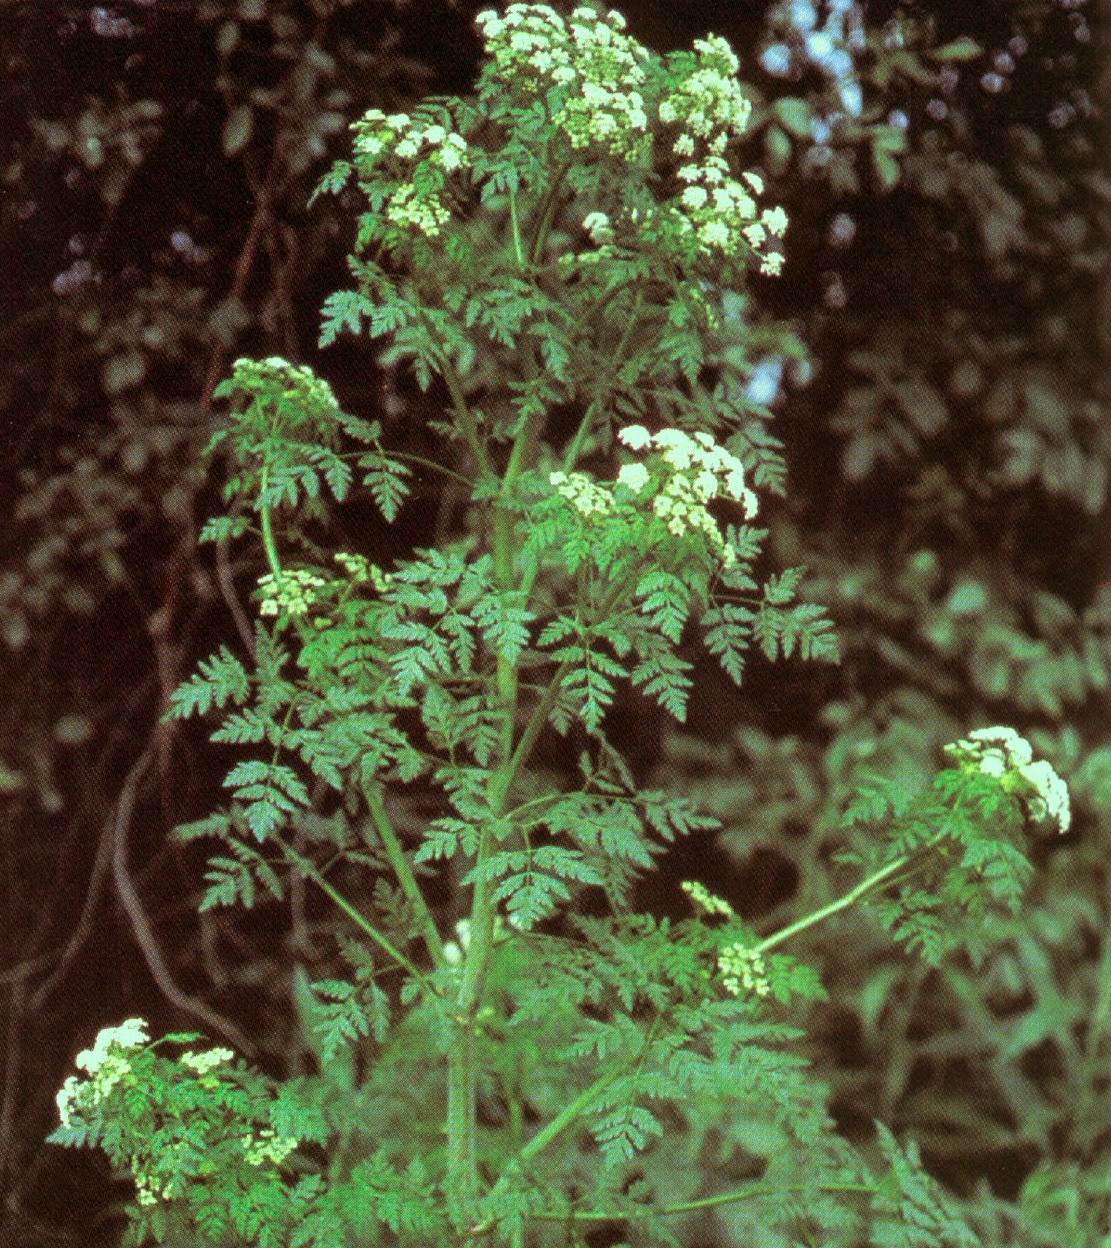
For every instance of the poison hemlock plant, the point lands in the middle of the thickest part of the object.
(574, 238)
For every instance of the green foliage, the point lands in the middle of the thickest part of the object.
(529, 254)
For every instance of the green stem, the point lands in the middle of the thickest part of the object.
(309, 870)
(268, 543)
(548, 211)
(880, 879)
(404, 872)
(459, 403)
(1100, 1026)
(431, 463)
(518, 248)
(462, 1061)
(707, 1202)
(536, 724)
(575, 447)
(567, 1116)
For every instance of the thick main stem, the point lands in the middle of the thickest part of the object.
(462, 1165)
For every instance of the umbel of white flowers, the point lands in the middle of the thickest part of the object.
(105, 1065)
(600, 89)
(684, 474)
(1001, 752)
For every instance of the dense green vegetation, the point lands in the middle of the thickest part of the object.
(934, 354)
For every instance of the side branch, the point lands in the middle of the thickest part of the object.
(880, 879)
(404, 872)
(360, 920)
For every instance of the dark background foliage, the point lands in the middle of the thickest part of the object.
(948, 443)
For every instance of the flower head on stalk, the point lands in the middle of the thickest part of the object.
(1002, 753)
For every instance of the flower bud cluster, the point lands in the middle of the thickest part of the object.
(267, 1147)
(1002, 753)
(416, 204)
(455, 950)
(209, 1060)
(361, 570)
(743, 970)
(594, 69)
(709, 903)
(291, 594)
(308, 392)
(689, 472)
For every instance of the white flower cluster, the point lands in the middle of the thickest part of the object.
(299, 383)
(105, 1063)
(267, 1147)
(415, 204)
(710, 109)
(1002, 753)
(207, 1061)
(292, 594)
(743, 970)
(709, 102)
(596, 70)
(598, 226)
(584, 494)
(594, 79)
(694, 471)
(724, 216)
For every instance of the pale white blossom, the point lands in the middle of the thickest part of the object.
(633, 477)
(1001, 753)
(636, 437)
(689, 472)
(588, 497)
(131, 1034)
(207, 1061)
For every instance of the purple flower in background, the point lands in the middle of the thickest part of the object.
(73, 278)
(842, 230)
(109, 25)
